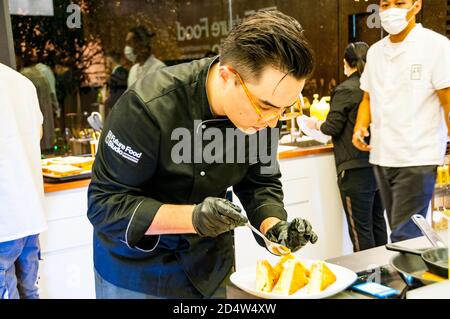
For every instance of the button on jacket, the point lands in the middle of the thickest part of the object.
(135, 172)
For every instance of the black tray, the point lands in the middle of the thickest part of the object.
(64, 179)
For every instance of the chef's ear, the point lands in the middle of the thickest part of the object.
(227, 74)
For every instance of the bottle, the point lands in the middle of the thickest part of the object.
(314, 106)
(440, 176)
(100, 96)
(445, 175)
(59, 144)
(324, 108)
(67, 138)
(306, 109)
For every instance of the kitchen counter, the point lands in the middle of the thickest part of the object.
(284, 154)
(358, 262)
(304, 151)
(57, 187)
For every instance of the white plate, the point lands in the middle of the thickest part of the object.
(245, 279)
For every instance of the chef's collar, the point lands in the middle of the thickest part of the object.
(207, 112)
(412, 36)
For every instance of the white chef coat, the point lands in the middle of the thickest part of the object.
(21, 184)
(408, 125)
(137, 71)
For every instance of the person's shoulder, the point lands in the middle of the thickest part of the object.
(160, 63)
(12, 77)
(377, 47)
(169, 79)
(134, 67)
(433, 35)
(350, 85)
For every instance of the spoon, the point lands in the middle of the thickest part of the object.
(274, 248)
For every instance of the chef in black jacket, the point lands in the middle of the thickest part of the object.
(162, 228)
(359, 192)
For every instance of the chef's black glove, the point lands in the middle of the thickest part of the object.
(215, 216)
(293, 235)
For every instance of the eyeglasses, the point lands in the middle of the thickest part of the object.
(279, 115)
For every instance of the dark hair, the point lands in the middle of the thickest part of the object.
(268, 38)
(115, 55)
(142, 35)
(355, 54)
(210, 54)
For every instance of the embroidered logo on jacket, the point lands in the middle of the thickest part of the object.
(123, 150)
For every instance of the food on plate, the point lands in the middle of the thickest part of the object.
(290, 275)
(85, 163)
(61, 170)
(265, 276)
(66, 166)
(292, 278)
(321, 277)
(278, 268)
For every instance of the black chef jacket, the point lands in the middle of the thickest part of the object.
(134, 174)
(340, 123)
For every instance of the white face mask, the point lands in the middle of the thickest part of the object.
(345, 70)
(394, 20)
(129, 53)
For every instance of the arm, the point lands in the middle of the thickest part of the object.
(163, 223)
(363, 121)
(444, 98)
(440, 77)
(260, 192)
(262, 196)
(118, 203)
(338, 116)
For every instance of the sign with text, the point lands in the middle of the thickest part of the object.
(31, 7)
(203, 24)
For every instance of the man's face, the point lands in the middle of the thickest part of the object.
(272, 93)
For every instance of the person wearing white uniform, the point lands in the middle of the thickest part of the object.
(406, 102)
(139, 49)
(21, 186)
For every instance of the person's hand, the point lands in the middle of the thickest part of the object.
(358, 139)
(293, 235)
(311, 123)
(215, 216)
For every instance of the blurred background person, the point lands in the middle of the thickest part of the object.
(406, 101)
(47, 72)
(21, 221)
(47, 101)
(356, 180)
(117, 83)
(138, 50)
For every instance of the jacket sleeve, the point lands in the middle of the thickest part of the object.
(118, 204)
(341, 105)
(260, 192)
